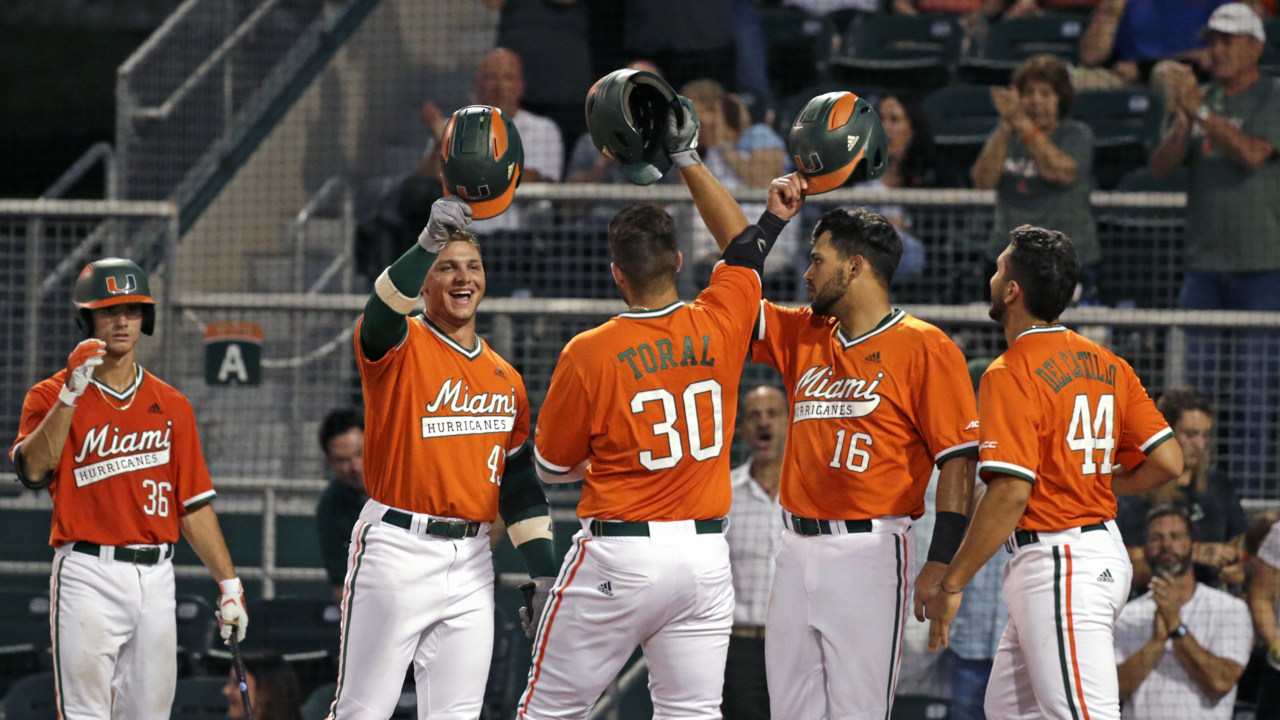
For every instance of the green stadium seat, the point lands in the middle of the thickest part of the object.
(1270, 61)
(899, 50)
(1125, 123)
(797, 47)
(32, 698)
(317, 705)
(199, 698)
(197, 630)
(1012, 41)
(961, 117)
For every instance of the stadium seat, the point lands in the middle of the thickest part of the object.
(912, 51)
(294, 625)
(24, 625)
(789, 107)
(1012, 41)
(797, 47)
(1270, 61)
(197, 628)
(920, 707)
(1140, 180)
(31, 698)
(317, 705)
(961, 117)
(1125, 123)
(199, 699)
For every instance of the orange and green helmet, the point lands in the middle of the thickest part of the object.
(482, 159)
(112, 281)
(831, 135)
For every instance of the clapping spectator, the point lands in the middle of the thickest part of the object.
(1038, 160)
(1264, 605)
(273, 688)
(1183, 645)
(1129, 37)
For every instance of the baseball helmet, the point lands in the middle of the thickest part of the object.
(112, 281)
(482, 159)
(832, 134)
(627, 114)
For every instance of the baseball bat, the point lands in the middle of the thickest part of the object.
(238, 662)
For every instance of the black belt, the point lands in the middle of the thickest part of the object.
(454, 529)
(1026, 537)
(811, 527)
(137, 556)
(641, 529)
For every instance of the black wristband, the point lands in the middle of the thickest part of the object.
(772, 225)
(948, 531)
(753, 244)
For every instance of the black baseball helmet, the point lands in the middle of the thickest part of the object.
(832, 134)
(627, 114)
(482, 159)
(112, 281)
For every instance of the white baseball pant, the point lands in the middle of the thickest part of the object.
(839, 607)
(670, 593)
(1056, 659)
(115, 637)
(412, 598)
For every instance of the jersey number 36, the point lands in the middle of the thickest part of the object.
(158, 498)
(697, 449)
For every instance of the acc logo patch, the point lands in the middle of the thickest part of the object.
(988, 445)
(130, 284)
(853, 141)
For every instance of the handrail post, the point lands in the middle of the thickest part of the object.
(35, 261)
(269, 543)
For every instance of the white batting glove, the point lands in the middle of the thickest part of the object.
(448, 215)
(681, 142)
(87, 356)
(232, 616)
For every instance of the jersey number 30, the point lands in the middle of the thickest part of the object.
(699, 451)
(1093, 431)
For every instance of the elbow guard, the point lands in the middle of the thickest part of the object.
(520, 495)
(752, 245)
(20, 469)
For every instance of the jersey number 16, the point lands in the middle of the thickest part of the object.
(699, 451)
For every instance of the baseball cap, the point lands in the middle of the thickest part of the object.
(1235, 19)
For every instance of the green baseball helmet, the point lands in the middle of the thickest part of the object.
(627, 114)
(832, 134)
(112, 281)
(482, 159)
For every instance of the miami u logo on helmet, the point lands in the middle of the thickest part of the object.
(130, 284)
(481, 193)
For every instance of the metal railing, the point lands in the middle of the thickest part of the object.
(98, 152)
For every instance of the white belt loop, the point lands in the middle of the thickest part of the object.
(106, 553)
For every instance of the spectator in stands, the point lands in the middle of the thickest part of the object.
(755, 528)
(1130, 37)
(1206, 492)
(551, 39)
(1264, 605)
(842, 13)
(1229, 131)
(688, 39)
(1181, 647)
(342, 441)
(273, 688)
(1033, 8)
(979, 623)
(1038, 160)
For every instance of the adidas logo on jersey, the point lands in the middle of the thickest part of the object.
(874, 357)
(1106, 576)
(606, 589)
(155, 408)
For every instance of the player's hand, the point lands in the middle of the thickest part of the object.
(449, 214)
(927, 583)
(535, 601)
(87, 356)
(232, 616)
(786, 195)
(681, 142)
(941, 610)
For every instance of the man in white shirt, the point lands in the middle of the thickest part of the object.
(1184, 644)
(1264, 602)
(755, 527)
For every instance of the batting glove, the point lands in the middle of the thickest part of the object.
(681, 142)
(87, 356)
(232, 616)
(449, 214)
(535, 601)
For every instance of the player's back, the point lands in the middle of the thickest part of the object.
(649, 399)
(1090, 413)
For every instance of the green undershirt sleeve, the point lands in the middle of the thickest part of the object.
(383, 328)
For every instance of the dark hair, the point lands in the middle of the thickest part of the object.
(1049, 69)
(1160, 511)
(338, 422)
(1043, 262)
(642, 242)
(862, 232)
(278, 694)
(920, 161)
(1173, 403)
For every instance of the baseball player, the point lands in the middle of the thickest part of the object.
(118, 451)
(643, 407)
(446, 422)
(1061, 416)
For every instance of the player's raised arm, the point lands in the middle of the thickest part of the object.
(716, 206)
(397, 288)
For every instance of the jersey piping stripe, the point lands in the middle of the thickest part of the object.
(1062, 643)
(59, 701)
(891, 320)
(895, 649)
(1071, 637)
(906, 592)
(128, 392)
(545, 632)
(1039, 330)
(760, 322)
(202, 497)
(348, 603)
(1006, 468)
(1156, 440)
(660, 312)
(549, 466)
(471, 354)
(555, 587)
(961, 449)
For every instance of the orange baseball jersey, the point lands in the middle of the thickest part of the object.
(440, 423)
(132, 464)
(1060, 411)
(870, 416)
(649, 399)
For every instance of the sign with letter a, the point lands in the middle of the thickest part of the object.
(233, 353)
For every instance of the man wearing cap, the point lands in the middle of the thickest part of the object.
(118, 451)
